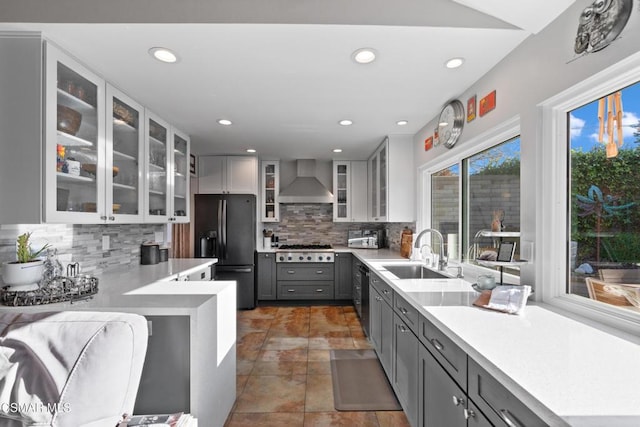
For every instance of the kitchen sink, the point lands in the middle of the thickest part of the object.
(414, 272)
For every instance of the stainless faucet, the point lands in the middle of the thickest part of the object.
(442, 262)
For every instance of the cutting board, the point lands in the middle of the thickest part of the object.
(406, 240)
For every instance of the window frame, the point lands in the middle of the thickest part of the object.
(552, 208)
(503, 132)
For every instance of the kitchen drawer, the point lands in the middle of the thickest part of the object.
(309, 271)
(311, 289)
(406, 312)
(382, 287)
(452, 358)
(496, 402)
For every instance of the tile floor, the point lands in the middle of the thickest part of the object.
(284, 373)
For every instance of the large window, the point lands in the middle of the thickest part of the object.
(488, 207)
(604, 199)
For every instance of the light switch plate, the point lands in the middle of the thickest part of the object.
(159, 237)
(106, 243)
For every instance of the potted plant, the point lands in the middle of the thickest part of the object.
(24, 273)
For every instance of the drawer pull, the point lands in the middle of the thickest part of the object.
(358, 287)
(385, 291)
(508, 418)
(402, 328)
(319, 272)
(403, 310)
(319, 290)
(437, 344)
(375, 280)
(291, 272)
(291, 290)
(457, 401)
(378, 298)
(469, 413)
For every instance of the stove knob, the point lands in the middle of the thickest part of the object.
(289, 258)
(281, 258)
(300, 258)
(328, 258)
(309, 258)
(320, 258)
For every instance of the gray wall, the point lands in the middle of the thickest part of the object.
(541, 67)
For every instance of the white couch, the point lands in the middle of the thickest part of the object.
(69, 369)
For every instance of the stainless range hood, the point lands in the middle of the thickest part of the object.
(306, 188)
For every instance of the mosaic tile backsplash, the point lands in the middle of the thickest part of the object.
(313, 223)
(83, 243)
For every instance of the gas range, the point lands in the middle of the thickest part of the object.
(304, 253)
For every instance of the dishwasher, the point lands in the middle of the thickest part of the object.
(364, 298)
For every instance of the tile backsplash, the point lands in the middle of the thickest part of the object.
(313, 223)
(83, 243)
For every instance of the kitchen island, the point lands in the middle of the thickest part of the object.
(191, 358)
(562, 369)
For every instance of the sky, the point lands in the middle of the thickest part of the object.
(584, 123)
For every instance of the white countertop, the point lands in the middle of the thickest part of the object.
(140, 287)
(558, 366)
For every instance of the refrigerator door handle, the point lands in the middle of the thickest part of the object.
(220, 241)
(224, 229)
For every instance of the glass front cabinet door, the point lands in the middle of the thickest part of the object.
(342, 191)
(270, 177)
(167, 172)
(125, 158)
(75, 160)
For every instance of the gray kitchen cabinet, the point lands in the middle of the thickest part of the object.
(500, 406)
(227, 175)
(266, 275)
(442, 402)
(343, 276)
(165, 382)
(381, 330)
(305, 281)
(357, 285)
(405, 367)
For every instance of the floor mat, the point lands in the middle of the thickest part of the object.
(359, 382)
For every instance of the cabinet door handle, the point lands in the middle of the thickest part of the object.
(457, 401)
(508, 418)
(358, 287)
(469, 413)
(374, 280)
(437, 344)
(319, 290)
(385, 291)
(291, 272)
(103, 217)
(403, 310)
(291, 290)
(402, 328)
(319, 272)
(112, 218)
(378, 298)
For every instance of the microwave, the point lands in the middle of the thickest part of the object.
(367, 239)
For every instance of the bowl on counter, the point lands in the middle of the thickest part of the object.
(68, 120)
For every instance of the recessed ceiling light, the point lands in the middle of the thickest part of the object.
(402, 122)
(163, 54)
(365, 55)
(225, 122)
(337, 150)
(345, 122)
(251, 150)
(454, 62)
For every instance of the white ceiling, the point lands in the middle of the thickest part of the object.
(285, 86)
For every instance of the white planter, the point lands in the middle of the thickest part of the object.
(22, 276)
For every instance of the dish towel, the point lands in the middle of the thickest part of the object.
(509, 298)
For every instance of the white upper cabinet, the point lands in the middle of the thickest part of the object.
(391, 182)
(350, 191)
(75, 152)
(270, 188)
(167, 189)
(227, 175)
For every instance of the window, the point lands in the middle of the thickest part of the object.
(604, 199)
(569, 230)
(478, 196)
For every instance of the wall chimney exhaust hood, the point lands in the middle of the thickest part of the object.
(306, 188)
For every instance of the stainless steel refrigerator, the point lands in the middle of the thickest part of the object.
(225, 228)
